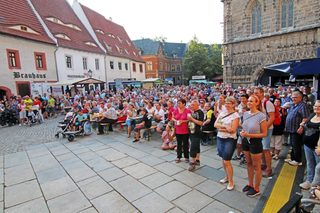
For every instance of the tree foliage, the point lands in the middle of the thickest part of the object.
(202, 59)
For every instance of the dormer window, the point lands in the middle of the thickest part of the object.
(24, 29)
(57, 21)
(118, 48)
(109, 48)
(63, 36)
(100, 31)
(91, 44)
(111, 35)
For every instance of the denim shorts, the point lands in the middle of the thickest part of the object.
(226, 147)
(267, 140)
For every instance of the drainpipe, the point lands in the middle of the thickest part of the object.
(105, 71)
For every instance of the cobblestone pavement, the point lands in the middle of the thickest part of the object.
(16, 138)
(108, 173)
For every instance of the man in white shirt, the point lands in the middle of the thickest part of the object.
(109, 116)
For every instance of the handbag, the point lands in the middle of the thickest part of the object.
(309, 131)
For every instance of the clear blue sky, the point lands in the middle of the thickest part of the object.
(176, 20)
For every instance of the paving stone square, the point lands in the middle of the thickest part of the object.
(193, 201)
(113, 202)
(21, 193)
(71, 202)
(95, 189)
(155, 180)
(37, 205)
(55, 188)
(139, 170)
(153, 203)
(130, 188)
(173, 190)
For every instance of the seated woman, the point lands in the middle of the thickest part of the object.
(146, 123)
(131, 113)
(168, 137)
(122, 115)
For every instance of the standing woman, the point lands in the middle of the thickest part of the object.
(227, 124)
(219, 106)
(310, 140)
(254, 128)
(182, 132)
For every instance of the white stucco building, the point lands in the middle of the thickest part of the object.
(78, 55)
(27, 53)
(122, 59)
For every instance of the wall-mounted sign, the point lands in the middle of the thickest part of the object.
(75, 76)
(29, 75)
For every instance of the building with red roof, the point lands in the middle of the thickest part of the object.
(123, 59)
(26, 50)
(78, 55)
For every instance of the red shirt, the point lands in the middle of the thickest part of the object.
(37, 102)
(183, 127)
(170, 113)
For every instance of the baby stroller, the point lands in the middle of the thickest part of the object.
(65, 124)
(34, 116)
(85, 129)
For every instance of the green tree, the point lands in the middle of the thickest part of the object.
(203, 59)
(215, 59)
(196, 60)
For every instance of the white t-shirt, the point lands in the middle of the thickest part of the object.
(270, 108)
(226, 121)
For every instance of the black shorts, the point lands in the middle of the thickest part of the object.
(254, 146)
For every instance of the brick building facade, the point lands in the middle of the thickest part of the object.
(263, 32)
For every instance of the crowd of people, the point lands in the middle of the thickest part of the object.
(251, 124)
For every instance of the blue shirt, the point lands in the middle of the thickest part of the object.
(295, 116)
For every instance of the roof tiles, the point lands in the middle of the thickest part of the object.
(18, 13)
(64, 15)
(112, 36)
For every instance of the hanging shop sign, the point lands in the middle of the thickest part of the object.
(29, 75)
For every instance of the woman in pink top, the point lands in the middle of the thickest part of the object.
(181, 129)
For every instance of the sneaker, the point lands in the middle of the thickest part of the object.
(305, 185)
(252, 192)
(197, 163)
(229, 187)
(20, 125)
(236, 158)
(224, 180)
(192, 167)
(268, 175)
(295, 163)
(246, 188)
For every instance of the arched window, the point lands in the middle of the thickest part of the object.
(287, 9)
(256, 23)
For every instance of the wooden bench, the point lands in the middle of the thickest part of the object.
(210, 135)
(148, 132)
(106, 127)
